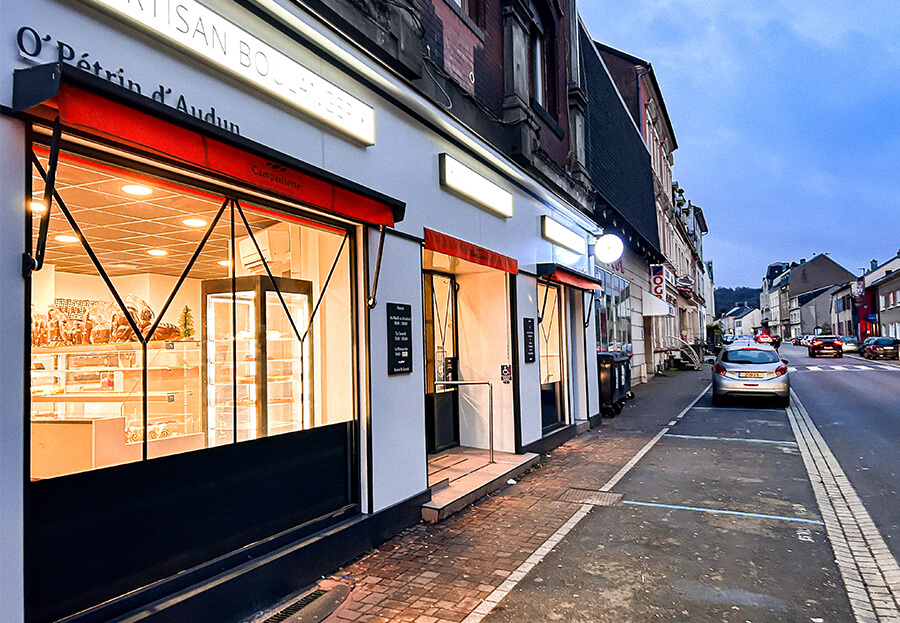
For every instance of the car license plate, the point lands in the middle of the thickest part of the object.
(750, 375)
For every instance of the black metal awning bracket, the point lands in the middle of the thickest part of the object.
(371, 302)
(544, 304)
(588, 309)
(36, 262)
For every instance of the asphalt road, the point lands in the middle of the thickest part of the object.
(857, 410)
(718, 522)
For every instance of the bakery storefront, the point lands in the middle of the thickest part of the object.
(194, 343)
(195, 314)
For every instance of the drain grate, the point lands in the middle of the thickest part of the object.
(589, 496)
(285, 613)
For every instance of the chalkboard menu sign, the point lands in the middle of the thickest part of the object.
(529, 340)
(399, 338)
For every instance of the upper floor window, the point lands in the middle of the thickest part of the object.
(539, 52)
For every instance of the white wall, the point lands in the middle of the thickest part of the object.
(484, 345)
(529, 373)
(398, 402)
(577, 402)
(12, 308)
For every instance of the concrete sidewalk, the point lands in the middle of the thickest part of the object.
(444, 572)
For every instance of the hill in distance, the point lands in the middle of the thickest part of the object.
(726, 298)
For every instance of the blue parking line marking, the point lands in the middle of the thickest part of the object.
(707, 438)
(723, 512)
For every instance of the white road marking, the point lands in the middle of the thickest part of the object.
(843, 368)
(491, 601)
(813, 369)
(792, 369)
(871, 574)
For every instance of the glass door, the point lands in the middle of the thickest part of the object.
(441, 362)
(551, 356)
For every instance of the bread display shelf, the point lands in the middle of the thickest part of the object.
(107, 397)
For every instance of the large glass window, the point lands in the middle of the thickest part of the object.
(612, 307)
(167, 319)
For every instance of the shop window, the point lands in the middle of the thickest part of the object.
(198, 315)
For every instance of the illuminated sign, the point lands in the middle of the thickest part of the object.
(561, 235)
(659, 275)
(473, 186)
(210, 36)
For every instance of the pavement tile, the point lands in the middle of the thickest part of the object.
(441, 573)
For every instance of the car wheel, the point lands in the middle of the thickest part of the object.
(841, 356)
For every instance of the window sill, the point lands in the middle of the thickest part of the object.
(466, 19)
(544, 116)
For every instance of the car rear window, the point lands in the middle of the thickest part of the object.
(884, 341)
(752, 356)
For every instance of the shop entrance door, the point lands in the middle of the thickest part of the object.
(441, 361)
(551, 351)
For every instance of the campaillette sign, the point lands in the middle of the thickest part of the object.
(207, 34)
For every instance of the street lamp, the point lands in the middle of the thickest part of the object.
(608, 248)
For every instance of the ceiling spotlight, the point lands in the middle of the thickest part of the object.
(136, 189)
(224, 263)
(194, 222)
(37, 207)
(157, 252)
(123, 266)
(65, 238)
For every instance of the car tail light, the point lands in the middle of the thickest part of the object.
(780, 370)
(817, 342)
(719, 369)
(838, 342)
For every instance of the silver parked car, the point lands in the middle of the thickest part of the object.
(850, 344)
(749, 369)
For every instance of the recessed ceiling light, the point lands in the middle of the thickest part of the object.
(65, 238)
(123, 266)
(136, 189)
(224, 263)
(157, 252)
(194, 222)
(37, 207)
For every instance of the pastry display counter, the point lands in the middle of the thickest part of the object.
(87, 404)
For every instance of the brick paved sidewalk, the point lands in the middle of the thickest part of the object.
(440, 573)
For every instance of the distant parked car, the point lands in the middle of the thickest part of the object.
(850, 344)
(797, 341)
(866, 342)
(763, 338)
(727, 339)
(826, 345)
(882, 348)
(748, 369)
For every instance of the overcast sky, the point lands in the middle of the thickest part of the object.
(787, 116)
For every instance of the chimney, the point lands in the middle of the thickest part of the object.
(873, 264)
(803, 261)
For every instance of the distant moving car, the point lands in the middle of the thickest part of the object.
(882, 348)
(866, 342)
(797, 340)
(750, 370)
(727, 339)
(826, 345)
(850, 344)
(763, 338)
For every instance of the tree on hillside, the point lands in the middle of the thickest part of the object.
(726, 298)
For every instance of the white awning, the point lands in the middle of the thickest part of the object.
(654, 306)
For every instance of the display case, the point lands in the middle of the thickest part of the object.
(257, 373)
(87, 403)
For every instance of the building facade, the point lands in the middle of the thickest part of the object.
(243, 322)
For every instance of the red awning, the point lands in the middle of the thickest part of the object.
(443, 243)
(171, 134)
(569, 277)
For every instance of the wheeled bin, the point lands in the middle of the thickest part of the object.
(609, 368)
